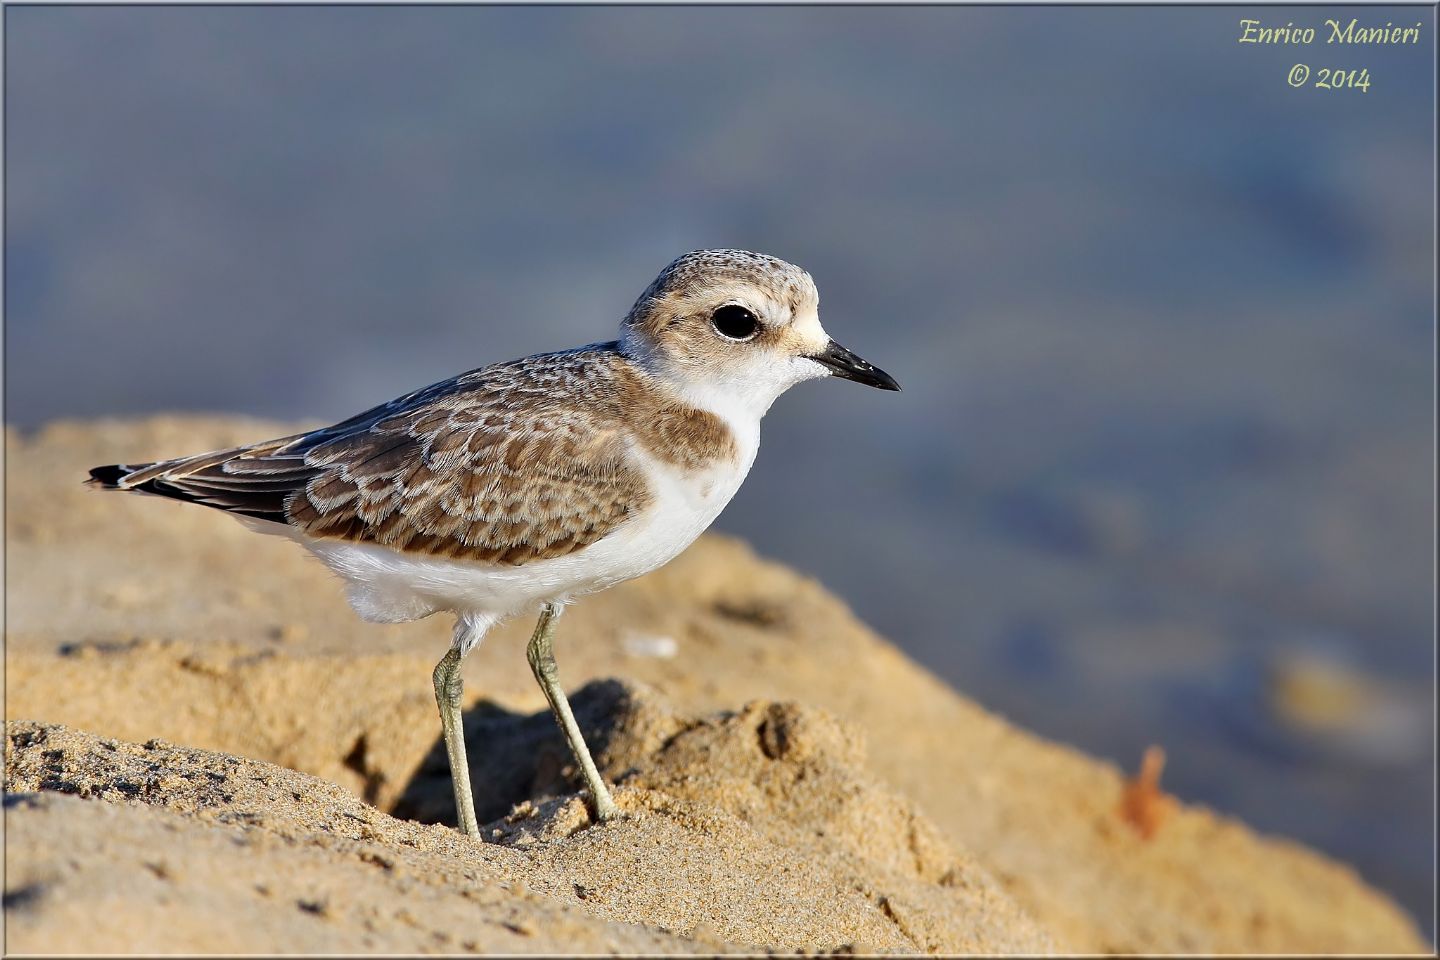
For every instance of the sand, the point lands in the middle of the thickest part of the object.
(206, 751)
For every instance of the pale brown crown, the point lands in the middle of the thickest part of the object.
(688, 279)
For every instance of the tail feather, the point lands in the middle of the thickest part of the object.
(110, 476)
(256, 486)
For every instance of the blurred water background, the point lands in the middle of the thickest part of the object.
(1163, 467)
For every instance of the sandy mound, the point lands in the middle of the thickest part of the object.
(772, 825)
(307, 869)
(810, 863)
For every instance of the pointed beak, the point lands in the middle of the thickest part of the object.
(843, 363)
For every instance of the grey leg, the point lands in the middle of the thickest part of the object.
(448, 690)
(542, 663)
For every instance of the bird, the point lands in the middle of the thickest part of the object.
(521, 486)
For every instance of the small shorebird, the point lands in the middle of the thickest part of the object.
(526, 484)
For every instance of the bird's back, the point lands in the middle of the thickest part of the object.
(503, 467)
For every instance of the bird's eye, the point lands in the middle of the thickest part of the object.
(734, 322)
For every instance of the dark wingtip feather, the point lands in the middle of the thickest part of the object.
(108, 476)
(264, 500)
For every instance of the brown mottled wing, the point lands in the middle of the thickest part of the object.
(466, 476)
(514, 463)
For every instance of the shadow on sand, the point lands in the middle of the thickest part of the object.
(514, 757)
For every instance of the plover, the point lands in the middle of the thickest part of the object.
(525, 484)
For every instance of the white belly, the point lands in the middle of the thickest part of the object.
(388, 586)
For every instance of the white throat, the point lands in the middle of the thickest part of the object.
(741, 401)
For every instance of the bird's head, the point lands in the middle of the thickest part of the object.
(740, 324)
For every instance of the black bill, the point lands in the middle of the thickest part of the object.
(851, 367)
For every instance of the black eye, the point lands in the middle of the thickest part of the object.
(734, 322)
